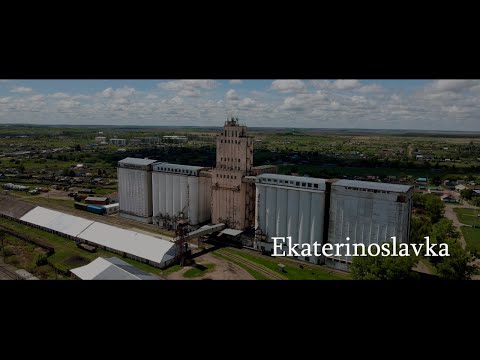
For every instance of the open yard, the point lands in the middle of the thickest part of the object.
(293, 270)
(472, 237)
(468, 216)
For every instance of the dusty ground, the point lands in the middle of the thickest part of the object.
(5, 276)
(450, 214)
(224, 270)
(56, 194)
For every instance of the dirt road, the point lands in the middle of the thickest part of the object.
(450, 214)
(224, 270)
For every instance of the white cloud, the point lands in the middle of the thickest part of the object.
(235, 82)
(247, 103)
(37, 98)
(118, 93)
(452, 85)
(5, 100)
(287, 86)
(21, 89)
(231, 95)
(59, 95)
(152, 96)
(188, 93)
(179, 85)
(371, 88)
(346, 84)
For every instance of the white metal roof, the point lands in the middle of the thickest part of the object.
(373, 185)
(289, 180)
(137, 161)
(131, 242)
(163, 165)
(111, 206)
(58, 221)
(231, 232)
(111, 269)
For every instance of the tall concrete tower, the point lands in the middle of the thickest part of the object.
(233, 196)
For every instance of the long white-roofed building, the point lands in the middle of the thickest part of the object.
(366, 213)
(144, 248)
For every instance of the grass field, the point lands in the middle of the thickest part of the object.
(67, 255)
(293, 270)
(199, 270)
(468, 216)
(472, 238)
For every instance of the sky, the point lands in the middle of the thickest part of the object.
(362, 104)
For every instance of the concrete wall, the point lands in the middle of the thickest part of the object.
(175, 193)
(233, 201)
(135, 193)
(368, 217)
(283, 211)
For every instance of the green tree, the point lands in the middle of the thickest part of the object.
(78, 147)
(466, 194)
(419, 200)
(420, 227)
(434, 207)
(457, 266)
(384, 268)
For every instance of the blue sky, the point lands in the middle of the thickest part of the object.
(374, 104)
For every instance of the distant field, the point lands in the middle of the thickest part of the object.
(468, 216)
(472, 237)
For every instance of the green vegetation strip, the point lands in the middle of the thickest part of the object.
(196, 271)
(293, 271)
(472, 237)
(257, 275)
(468, 216)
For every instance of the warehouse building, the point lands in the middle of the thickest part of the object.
(180, 191)
(111, 269)
(135, 189)
(367, 212)
(144, 248)
(289, 206)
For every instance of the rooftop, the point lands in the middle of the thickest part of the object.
(289, 180)
(373, 185)
(137, 161)
(163, 165)
(95, 198)
(111, 269)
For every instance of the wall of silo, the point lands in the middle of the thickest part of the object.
(205, 199)
(366, 218)
(135, 191)
(193, 195)
(283, 212)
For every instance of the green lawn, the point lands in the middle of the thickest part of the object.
(293, 271)
(67, 255)
(468, 216)
(201, 270)
(472, 237)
